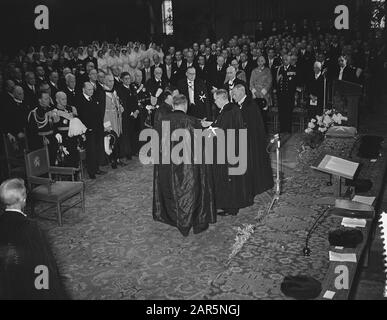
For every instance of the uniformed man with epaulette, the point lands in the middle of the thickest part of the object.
(68, 155)
(286, 89)
(41, 127)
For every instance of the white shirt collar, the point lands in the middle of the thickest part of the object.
(16, 210)
(317, 75)
(231, 81)
(87, 97)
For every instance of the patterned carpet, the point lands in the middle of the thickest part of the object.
(116, 251)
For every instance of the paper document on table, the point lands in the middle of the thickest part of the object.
(342, 257)
(353, 222)
(341, 166)
(365, 200)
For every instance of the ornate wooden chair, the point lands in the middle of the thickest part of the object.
(43, 188)
(12, 157)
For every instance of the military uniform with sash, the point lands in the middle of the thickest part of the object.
(286, 89)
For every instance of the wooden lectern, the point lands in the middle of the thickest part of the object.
(338, 168)
(346, 99)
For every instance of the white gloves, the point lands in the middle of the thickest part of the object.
(58, 137)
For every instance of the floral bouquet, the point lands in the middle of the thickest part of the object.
(318, 127)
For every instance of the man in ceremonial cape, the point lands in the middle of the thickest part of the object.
(259, 168)
(232, 189)
(183, 193)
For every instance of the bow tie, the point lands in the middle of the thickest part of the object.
(190, 83)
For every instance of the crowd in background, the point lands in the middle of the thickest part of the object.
(99, 96)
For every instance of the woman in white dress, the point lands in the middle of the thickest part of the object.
(102, 63)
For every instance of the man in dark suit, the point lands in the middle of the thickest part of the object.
(146, 71)
(315, 89)
(217, 74)
(90, 58)
(196, 93)
(273, 62)
(40, 75)
(180, 66)
(169, 70)
(130, 117)
(30, 90)
(245, 65)
(53, 83)
(157, 82)
(156, 63)
(344, 71)
(69, 89)
(91, 113)
(286, 89)
(28, 270)
(202, 69)
(232, 81)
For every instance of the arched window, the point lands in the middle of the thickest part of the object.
(167, 16)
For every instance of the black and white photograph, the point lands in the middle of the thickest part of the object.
(195, 157)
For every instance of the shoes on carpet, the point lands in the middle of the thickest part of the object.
(114, 165)
(101, 172)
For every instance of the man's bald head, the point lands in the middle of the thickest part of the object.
(18, 93)
(61, 99)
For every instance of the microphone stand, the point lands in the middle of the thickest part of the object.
(278, 178)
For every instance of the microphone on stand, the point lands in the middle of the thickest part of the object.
(306, 250)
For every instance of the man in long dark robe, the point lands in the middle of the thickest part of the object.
(232, 192)
(183, 193)
(259, 167)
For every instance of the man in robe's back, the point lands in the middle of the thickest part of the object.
(182, 193)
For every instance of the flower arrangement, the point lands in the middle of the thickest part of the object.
(243, 234)
(318, 127)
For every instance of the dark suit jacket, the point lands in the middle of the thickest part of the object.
(70, 96)
(247, 69)
(91, 113)
(30, 97)
(172, 79)
(180, 74)
(23, 248)
(316, 87)
(349, 74)
(201, 109)
(202, 73)
(215, 77)
(144, 80)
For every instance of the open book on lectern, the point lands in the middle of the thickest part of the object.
(338, 167)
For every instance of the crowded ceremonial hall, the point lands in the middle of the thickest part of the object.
(193, 150)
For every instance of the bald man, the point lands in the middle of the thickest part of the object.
(315, 90)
